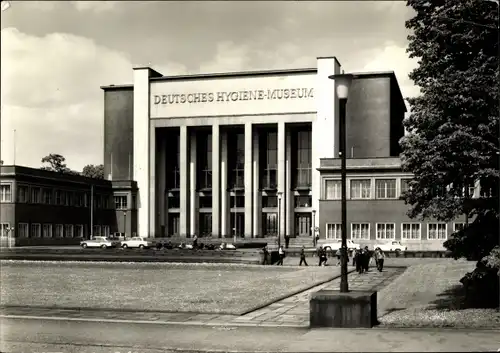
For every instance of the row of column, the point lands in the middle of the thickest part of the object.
(189, 204)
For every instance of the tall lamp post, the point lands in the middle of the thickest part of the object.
(124, 225)
(235, 219)
(342, 85)
(314, 228)
(279, 218)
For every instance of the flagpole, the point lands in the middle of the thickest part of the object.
(14, 146)
(91, 210)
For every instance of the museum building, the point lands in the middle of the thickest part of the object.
(216, 154)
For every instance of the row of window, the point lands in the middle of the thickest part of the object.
(387, 231)
(47, 230)
(362, 188)
(46, 196)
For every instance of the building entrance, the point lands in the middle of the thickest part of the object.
(238, 224)
(302, 225)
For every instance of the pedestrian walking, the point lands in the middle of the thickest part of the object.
(320, 255)
(265, 255)
(359, 261)
(281, 254)
(303, 257)
(195, 241)
(379, 259)
(338, 253)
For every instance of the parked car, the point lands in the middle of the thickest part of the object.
(136, 242)
(392, 246)
(334, 246)
(98, 242)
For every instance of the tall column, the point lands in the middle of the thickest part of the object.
(142, 147)
(257, 206)
(184, 184)
(224, 200)
(325, 127)
(152, 184)
(248, 180)
(289, 199)
(281, 175)
(215, 180)
(161, 162)
(193, 195)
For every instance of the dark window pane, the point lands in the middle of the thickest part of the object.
(269, 201)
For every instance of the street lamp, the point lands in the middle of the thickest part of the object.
(235, 219)
(314, 228)
(279, 218)
(124, 225)
(342, 85)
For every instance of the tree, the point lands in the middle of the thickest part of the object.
(453, 139)
(56, 163)
(93, 171)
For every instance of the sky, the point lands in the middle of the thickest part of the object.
(56, 55)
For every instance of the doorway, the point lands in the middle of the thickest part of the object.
(302, 224)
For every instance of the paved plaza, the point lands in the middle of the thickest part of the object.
(291, 312)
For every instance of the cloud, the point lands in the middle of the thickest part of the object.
(95, 6)
(51, 96)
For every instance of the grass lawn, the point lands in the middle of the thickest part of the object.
(430, 295)
(203, 288)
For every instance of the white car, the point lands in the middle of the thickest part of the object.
(98, 242)
(136, 242)
(392, 246)
(338, 244)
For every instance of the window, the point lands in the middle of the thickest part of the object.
(47, 196)
(386, 231)
(36, 231)
(205, 224)
(68, 231)
(361, 189)
(405, 185)
(269, 160)
(79, 199)
(4, 229)
(105, 231)
(303, 201)
(204, 164)
(458, 227)
(47, 231)
(97, 231)
(57, 197)
(333, 189)
(98, 202)
(236, 158)
(303, 160)
(270, 224)
(79, 230)
(121, 202)
(22, 230)
(240, 201)
(58, 231)
(410, 231)
(385, 188)
(63, 198)
(5, 193)
(360, 231)
(22, 193)
(35, 195)
(334, 231)
(206, 201)
(269, 201)
(174, 201)
(436, 231)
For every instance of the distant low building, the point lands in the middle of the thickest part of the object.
(40, 204)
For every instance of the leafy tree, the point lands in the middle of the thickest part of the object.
(56, 163)
(453, 139)
(93, 171)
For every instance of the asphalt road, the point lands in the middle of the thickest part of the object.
(68, 336)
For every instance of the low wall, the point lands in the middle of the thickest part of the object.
(4, 242)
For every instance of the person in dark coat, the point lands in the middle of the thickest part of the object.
(287, 241)
(303, 257)
(321, 255)
(359, 258)
(366, 259)
(265, 254)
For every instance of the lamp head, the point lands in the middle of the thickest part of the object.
(342, 84)
(279, 195)
(314, 211)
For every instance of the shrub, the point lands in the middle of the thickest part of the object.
(482, 284)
